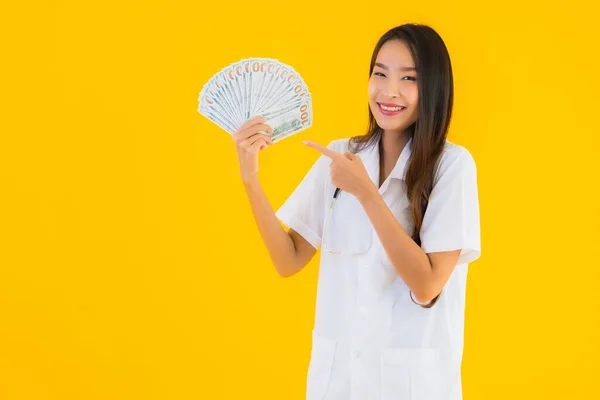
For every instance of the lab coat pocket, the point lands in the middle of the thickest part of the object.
(411, 374)
(319, 370)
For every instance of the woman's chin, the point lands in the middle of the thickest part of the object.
(390, 126)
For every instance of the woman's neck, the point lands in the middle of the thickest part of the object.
(390, 148)
(392, 143)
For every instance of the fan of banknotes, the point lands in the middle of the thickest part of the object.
(257, 87)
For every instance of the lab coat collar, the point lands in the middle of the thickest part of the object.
(398, 172)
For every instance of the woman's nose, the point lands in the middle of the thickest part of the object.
(392, 90)
(393, 93)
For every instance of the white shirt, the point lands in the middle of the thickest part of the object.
(370, 341)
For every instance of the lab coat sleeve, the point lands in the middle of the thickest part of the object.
(304, 209)
(451, 221)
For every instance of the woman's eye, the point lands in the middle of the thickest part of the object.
(412, 78)
(378, 74)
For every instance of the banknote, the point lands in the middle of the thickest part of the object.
(257, 86)
(295, 120)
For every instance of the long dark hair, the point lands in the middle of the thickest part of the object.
(429, 132)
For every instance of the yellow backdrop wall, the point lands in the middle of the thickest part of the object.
(130, 265)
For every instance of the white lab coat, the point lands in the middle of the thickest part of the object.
(370, 341)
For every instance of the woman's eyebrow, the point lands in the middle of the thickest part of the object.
(383, 66)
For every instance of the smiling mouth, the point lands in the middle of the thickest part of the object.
(390, 109)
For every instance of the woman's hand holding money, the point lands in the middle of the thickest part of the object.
(249, 139)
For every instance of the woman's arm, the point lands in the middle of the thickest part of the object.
(450, 230)
(289, 251)
(425, 274)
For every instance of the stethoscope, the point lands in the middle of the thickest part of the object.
(335, 194)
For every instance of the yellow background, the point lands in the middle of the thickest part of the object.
(130, 265)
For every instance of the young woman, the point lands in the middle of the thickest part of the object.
(396, 214)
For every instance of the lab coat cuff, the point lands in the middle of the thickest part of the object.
(299, 226)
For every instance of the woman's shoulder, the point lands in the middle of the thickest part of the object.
(453, 151)
(456, 159)
(340, 145)
(349, 143)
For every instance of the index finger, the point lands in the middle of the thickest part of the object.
(324, 150)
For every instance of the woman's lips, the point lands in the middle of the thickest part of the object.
(390, 109)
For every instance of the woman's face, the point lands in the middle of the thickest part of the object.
(393, 90)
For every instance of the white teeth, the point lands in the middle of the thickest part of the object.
(386, 108)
